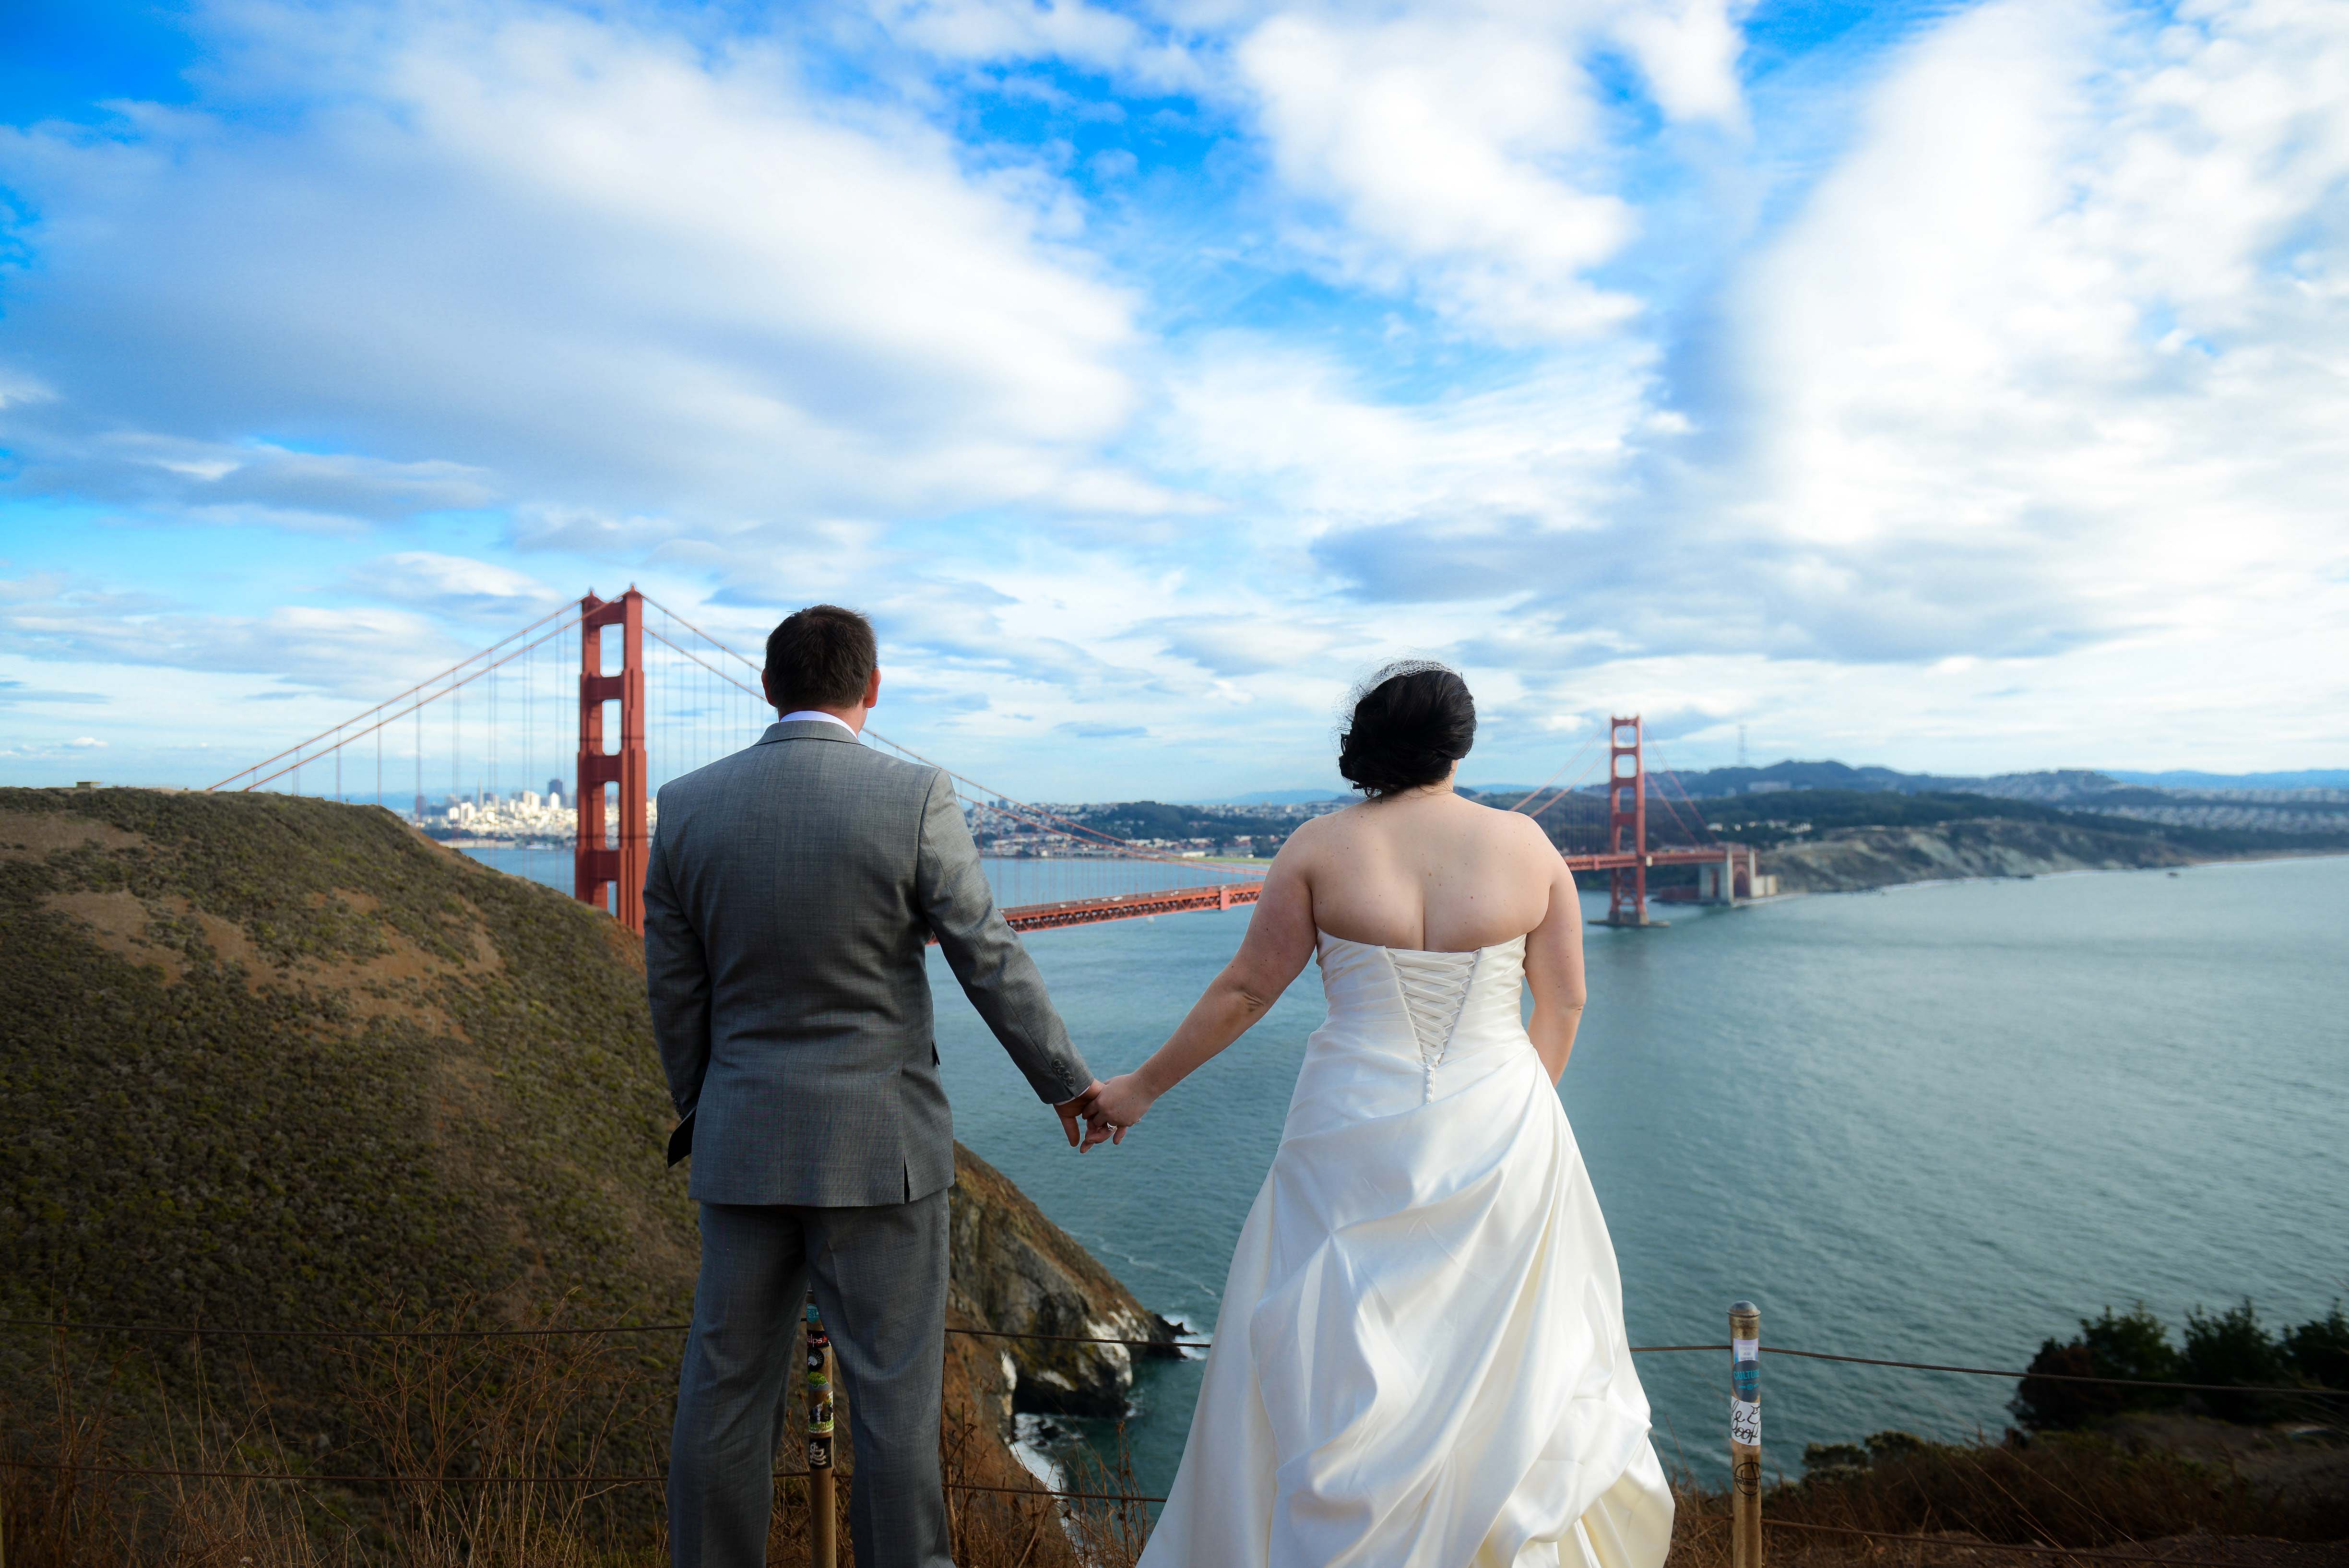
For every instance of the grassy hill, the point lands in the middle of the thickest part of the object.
(269, 1062)
(276, 1062)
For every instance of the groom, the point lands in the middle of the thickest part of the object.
(792, 888)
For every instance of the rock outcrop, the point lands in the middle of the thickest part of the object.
(1016, 1270)
(1854, 860)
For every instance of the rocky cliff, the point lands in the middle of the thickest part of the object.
(1015, 1270)
(1852, 859)
(278, 1062)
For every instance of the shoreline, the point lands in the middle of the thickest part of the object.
(1872, 858)
(2274, 857)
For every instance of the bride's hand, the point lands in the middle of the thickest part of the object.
(1117, 1106)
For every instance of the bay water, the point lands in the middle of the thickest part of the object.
(1937, 1124)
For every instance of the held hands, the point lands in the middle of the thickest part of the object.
(1069, 1111)
(1106, 1110)
(1115, 1106)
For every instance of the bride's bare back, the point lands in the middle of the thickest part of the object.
(1426, 870)
(1423, 869)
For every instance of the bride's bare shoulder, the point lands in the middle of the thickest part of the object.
(1307, 838)
(1518, 827)
(1329, 823)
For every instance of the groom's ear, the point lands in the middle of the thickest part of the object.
(873, 687)
(767, 685)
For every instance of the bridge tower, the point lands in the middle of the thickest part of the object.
(1627, 822)
(597, 866)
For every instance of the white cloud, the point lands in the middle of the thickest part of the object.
(2018, 438)
(1265, 418)
(356, 653)
(455, 586)
(1689, 52)
(1230, 646)
(518, 253)
(2056, 354)
(1463, 149)
(1087, 35)
(2064, 335)
(229, 482)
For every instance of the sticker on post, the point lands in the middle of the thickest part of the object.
(1744, 1349)
(1745, 1422)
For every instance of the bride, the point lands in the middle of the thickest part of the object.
(1420, 1361)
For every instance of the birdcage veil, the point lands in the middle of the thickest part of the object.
(1385, 747)
(1381, 676)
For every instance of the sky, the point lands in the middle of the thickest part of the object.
(1960, 388)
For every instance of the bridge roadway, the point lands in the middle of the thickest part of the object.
(1231, 895)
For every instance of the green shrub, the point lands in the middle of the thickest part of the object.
(2227, 1347)
(2318, 1352)
(2131, 1345)
(2232, 1346)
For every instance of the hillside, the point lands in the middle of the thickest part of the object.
(1851, 859)
(1840, 840)
(274, 1062)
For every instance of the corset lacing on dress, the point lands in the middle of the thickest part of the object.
(1434, 988)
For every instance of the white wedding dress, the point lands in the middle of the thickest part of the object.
(1421, 1361)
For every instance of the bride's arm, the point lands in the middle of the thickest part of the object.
(1554, 969)
(1279, 942)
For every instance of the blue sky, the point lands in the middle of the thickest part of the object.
(1955, 387)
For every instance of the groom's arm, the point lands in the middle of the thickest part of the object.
(676, 982)
(995, 970)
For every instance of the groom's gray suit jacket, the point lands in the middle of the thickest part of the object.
(793, 889)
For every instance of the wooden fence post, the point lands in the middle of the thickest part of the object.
(823, 1544)
(1746, 1434)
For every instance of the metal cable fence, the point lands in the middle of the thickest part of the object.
(1744, 1519)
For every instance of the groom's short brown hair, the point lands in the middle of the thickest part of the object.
(821, 656)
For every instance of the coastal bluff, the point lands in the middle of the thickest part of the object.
(1854, 860)
(276, 1062)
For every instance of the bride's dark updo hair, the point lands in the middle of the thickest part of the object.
(1410, 724)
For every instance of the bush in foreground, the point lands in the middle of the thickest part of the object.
(2232, 1347)
(2064, 1490)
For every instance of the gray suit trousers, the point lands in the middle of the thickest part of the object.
(880, 1280)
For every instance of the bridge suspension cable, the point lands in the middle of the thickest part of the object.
(681, 698)
(302, 748)
(1519, 803)
(1695, 832)
(448, 682)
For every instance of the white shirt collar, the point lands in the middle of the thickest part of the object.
(806, 713)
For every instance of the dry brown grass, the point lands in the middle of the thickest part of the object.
(465, 1420)
(2067, 1490)
(429, 1405)
(2096, 1492)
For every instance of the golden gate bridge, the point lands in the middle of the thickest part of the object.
(653, 696)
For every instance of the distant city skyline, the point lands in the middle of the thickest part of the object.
(1951, 387)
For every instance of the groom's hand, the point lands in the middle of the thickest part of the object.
(1115, 1106)
(1069, 1110)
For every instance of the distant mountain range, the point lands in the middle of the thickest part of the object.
(2306, 778)
(1274, 798)
(2052, 786)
